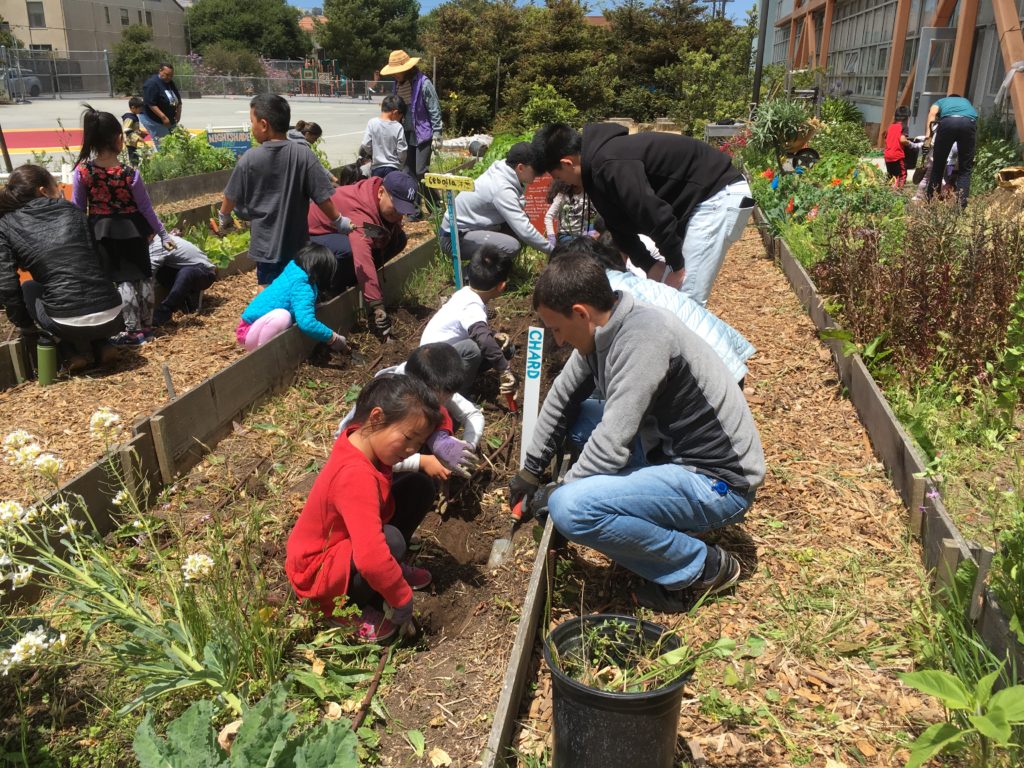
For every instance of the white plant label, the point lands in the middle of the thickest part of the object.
(531, 387)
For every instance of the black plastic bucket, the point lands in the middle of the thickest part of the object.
(602, 729)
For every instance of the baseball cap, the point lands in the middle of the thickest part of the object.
(402, 188)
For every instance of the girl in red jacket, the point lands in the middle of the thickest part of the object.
(355, 528)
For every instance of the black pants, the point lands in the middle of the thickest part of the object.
(961, 131)
(345, 276)
(414, 496)
(72, 340)
(184, 285)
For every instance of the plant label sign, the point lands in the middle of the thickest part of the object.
(451, 185)
(235, 139)
(445, 181)
(531, 387)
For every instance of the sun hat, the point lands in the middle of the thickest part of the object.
(402, 188)
(399, 61)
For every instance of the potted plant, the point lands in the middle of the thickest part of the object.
(617, 686)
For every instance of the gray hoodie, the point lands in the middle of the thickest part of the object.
(497, 199)
(662, 382)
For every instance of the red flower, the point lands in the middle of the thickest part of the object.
(836, 182)
(790, 206)
(768, 173)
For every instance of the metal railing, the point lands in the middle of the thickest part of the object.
(31, 74)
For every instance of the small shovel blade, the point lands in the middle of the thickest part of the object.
(499, 551)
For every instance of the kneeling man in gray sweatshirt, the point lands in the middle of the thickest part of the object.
(669, 446)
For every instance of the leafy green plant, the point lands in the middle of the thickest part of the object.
(182, 154)
(989, 717)
(264, 740)
(777, 123)
(992, 156)
(1007, 575)
(837, 110)
(843, 137)
(499, 148)
(221, 249)
(134, 59)
(546, 105)
(615, 655)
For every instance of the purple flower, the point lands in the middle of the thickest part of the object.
(932, 494)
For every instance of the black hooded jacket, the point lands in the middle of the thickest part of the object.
(649, 184)
(50, 238)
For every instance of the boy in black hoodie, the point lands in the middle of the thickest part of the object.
(682, 193)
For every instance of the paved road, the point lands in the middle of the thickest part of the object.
(35, 125)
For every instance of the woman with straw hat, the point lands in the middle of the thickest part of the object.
(422, 120)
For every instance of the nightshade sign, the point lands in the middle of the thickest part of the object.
(235, 139)
(451, 185)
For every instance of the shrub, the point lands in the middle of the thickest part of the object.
(182, 154)
(546, 105)
(135, 59)
(845, 137)
(777, 123)
(229, 59)
(991, 157)
(835, 110)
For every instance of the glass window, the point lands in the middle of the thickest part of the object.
(35, 14)
(140, 16)
(125, 21)
(149, 18)
(106, 13)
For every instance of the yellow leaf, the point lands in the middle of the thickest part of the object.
(439, 758)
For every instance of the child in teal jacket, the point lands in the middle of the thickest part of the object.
(291, 298)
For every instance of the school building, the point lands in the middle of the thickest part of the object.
(881, 54)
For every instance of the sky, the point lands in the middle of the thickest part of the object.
(735, 9)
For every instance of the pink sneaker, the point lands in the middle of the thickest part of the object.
(374, 626)
(417, 578)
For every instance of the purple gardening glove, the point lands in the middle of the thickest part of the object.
(401, 615)
(455, 454)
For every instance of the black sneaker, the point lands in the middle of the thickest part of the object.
(663, 600)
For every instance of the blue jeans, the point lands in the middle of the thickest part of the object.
(715, 224)
(642, 516)
(157, 130)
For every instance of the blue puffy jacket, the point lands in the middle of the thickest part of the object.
(291, 290)
(729, 343)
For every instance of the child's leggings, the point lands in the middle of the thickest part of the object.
(414, 494)
(266, 328)
(137, 302)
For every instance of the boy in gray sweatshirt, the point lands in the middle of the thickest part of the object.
(494, 212)
(669, 444)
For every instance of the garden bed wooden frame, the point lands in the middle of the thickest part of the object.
(176, 437)
(943, 547)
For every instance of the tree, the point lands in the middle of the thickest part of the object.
(135, 59)
(268, 28)
(361, 33)
(7, 38)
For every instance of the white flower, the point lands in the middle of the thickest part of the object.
(11, 512)
(28, 649)
(24, 456)
(71, 526)
(17, 439)
(21, 576)
(138, 524)
(105, 424)
(48, 466)
(196, 567)
(61, 508)
(122, 498)
(5, 560)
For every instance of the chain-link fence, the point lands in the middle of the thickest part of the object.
(26, 74)
(322, 87)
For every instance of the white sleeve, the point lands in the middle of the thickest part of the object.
(411, 464)
(470, 416)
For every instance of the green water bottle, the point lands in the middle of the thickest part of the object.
(46, 366)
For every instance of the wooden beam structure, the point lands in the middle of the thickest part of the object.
(963, 48)
(826, 32)
(1011, 42)
(892, 78)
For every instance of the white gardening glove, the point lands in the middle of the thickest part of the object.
(343, 224)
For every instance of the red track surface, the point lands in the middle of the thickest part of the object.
(40, 139)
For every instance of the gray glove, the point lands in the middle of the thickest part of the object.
(338, 343)
(507, 382)
(400, 615)
(343, 224)
(224, 220)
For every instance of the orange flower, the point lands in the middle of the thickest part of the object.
(768, 173)
(836, 182)
(790, 206)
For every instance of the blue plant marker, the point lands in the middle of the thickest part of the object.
(456, 257)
